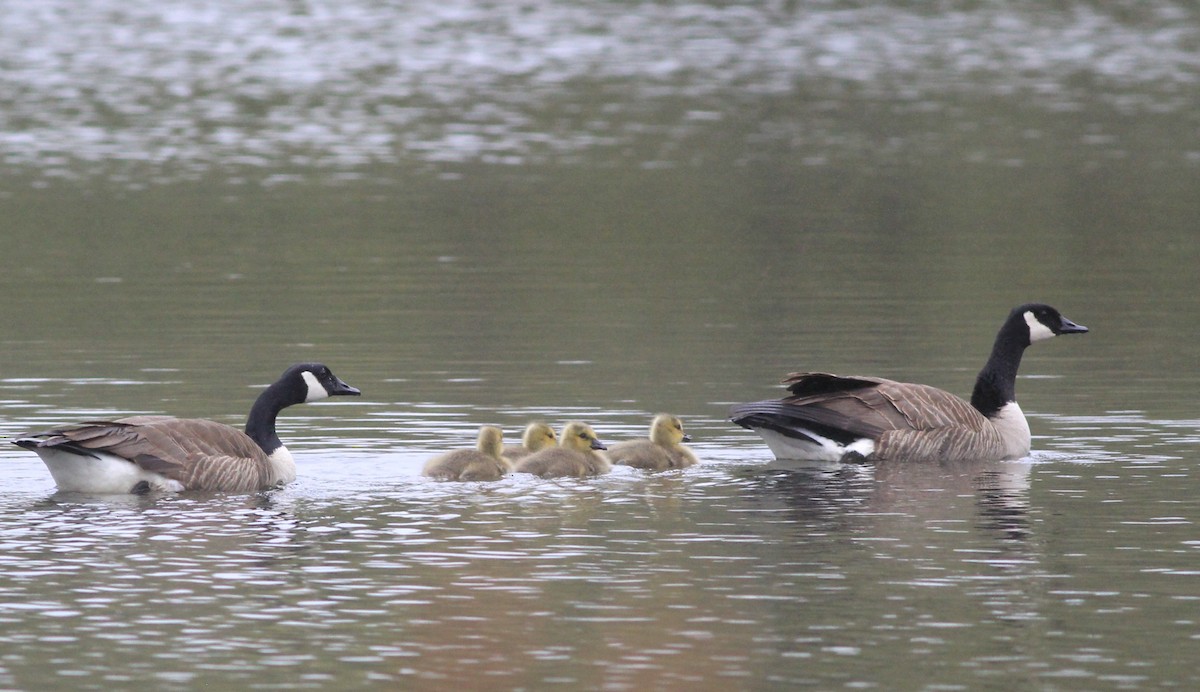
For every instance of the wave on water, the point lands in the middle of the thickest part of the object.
(186, 87)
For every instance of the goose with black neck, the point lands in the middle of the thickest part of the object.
(838, 418)
(140, 454)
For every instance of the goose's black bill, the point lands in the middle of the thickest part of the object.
(342, 389)
(1069, 327)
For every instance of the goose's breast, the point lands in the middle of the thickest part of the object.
(1013, 429)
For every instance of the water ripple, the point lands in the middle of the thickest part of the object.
(737, 569)
(184, 87)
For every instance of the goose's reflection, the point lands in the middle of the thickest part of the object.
(218, 522)
(926, 492)
(966, 523)
(1002, 499)
(818, 491)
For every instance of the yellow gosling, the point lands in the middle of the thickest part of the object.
(575, 456)
(664, 450)
(537, 437)
(483, 463)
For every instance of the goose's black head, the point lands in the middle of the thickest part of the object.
(306, 382)
(996, 385)
(317, 382)
(1043, 322)
(298, 384)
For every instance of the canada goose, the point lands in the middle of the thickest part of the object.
(537, 436)
(575, 455)
(483, 463)
(143, 453)
(663, 450)
(829, 417)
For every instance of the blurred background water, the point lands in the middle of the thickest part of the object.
(488, 213)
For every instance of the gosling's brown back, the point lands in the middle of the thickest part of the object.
(466, 465)
(558, 462)
(644, 454)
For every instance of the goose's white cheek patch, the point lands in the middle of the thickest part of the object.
(1037, 330)
(315, 389)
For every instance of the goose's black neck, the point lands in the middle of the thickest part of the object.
(996, 384)
(260, 425)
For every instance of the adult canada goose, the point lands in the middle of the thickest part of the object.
(143, 453)
(663, 450)
(575, 455)
(537, 436)
(829, 417)
(483, 463)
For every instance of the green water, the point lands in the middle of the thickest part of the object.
(691, 203)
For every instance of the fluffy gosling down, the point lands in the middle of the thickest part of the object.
(537, 437)
(663, 450)
(483, 463)
(574, 456)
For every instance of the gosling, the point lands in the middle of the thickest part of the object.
(538, 436)
(483, 463)
(661, 452)
(576, 456)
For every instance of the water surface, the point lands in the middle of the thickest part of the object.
(598, 211)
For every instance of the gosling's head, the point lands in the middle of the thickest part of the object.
(538, 436)
(580, 437)
(667, 430)
(491, 441)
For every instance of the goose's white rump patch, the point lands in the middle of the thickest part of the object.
(824, 449)
(102, 473)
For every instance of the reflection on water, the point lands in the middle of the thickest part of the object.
(1004, 500)
(182, 89)
(491, 213)
(822, 491)
(742, 568)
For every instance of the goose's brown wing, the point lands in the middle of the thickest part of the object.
(850, 408)
(921, 423)
(880, 404)
(199, 454)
